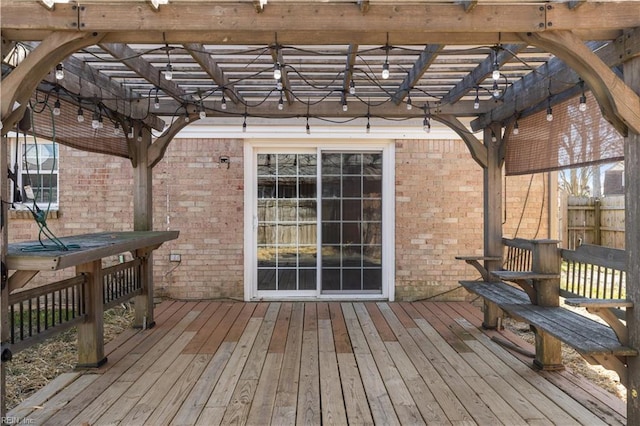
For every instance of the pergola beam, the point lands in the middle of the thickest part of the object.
(424, 61)
(475, 77)
(238, 22)
(199, 52)
(144, 69)
(619, 103)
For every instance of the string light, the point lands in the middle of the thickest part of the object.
(244, 123)
(168, 73)
(280, 103)
(277, 71)
(549, 110)
(223, 102)
(56, 107)
(279, 84)
(352, 87)
(156, 101)
(59, 72)
(345, 106)
(495, 74)
(368, 124)
(140, 135)
(409, 103)
(495, 90)
(308, 129)
(202, 114)
(476, 102)
(493, 137)
(95, 124)
(516, 128)
(583, 99)
(385, 70)
(426, 123)
(186, 116)
(116, 129)
(80, 116)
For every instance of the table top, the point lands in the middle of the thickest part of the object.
(80, 249)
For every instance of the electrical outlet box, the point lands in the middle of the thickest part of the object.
(174, 257)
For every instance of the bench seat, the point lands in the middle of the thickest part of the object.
(588, 337)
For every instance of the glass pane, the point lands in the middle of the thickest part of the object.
(372, 233)
(372, 164)
(266, 256)
(351, 187)
(266, 187)
(351, 210)
(287, 279)
(372, 255)
(266, 165)
(307, 256)
(266, 233)
(372, 210)
(307, 211)
(287, 256)
(352, 164)
(331, 256)
(330, 209)
(287, 164)
(330, 233)
(352, 256)
(307, 164)
(266, 210)
(307, 279)
(351, 233)
(287, 187)
(352, 279)
(307, 233)
(287, 210)
(266, 279)
(331, 164)
(307, 187)
(372, 279)
(330, 279)
(287, 233)
(330, 187)
(372, 187)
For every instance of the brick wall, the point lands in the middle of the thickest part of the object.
(438, 213)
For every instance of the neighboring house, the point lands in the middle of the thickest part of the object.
(614, 180)
(348, 215)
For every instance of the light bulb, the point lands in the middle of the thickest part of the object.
(583, 103)
(140, 136)
(368, 127)
(280, 103)
(493, 137)
(59, 72)
(186, 117)
(426, 125)
(168, 73)
(56, 107)
(116, 128)
(156, 102)
(549, 114)
(385, 70)
(308, 129)
(94, 121)
(476, 103)
(279, 84)
(409, 103)
(516, 128)
(495, 90)
(352, 87)
(202, 114)
(345, 106)
(223, 103)
(277, 72)
(244, 127)
(80, 116)
(495, 75)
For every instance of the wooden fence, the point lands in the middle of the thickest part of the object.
(589, 220)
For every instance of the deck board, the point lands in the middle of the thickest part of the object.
(318, 363)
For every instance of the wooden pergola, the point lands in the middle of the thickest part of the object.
(440, 57)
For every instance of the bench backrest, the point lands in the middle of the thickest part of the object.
(593, 271)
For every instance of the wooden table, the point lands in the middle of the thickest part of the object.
(85, 253)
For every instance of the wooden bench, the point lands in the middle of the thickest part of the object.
(598, 343)
(536, 301)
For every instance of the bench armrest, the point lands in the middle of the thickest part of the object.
(522, 275)
(585, 302)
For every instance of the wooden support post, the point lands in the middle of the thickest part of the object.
(492, 180)
(632, 247)
(5, 333)
(91, 331)
(546, 260)
(143, 221)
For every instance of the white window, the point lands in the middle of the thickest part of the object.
(34, 171)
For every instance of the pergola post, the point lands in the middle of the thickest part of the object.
(4, 280)
(143, 221)
(492, 204)
(632, 246)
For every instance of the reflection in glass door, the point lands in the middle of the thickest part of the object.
(287, 222)
(351, 222)
(345, 254)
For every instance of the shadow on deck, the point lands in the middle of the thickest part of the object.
(312, 363)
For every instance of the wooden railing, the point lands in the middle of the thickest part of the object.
(517, 254)
(38, 313)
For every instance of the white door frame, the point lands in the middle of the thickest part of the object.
(251, 149)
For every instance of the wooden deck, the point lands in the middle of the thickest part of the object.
(317, 363)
